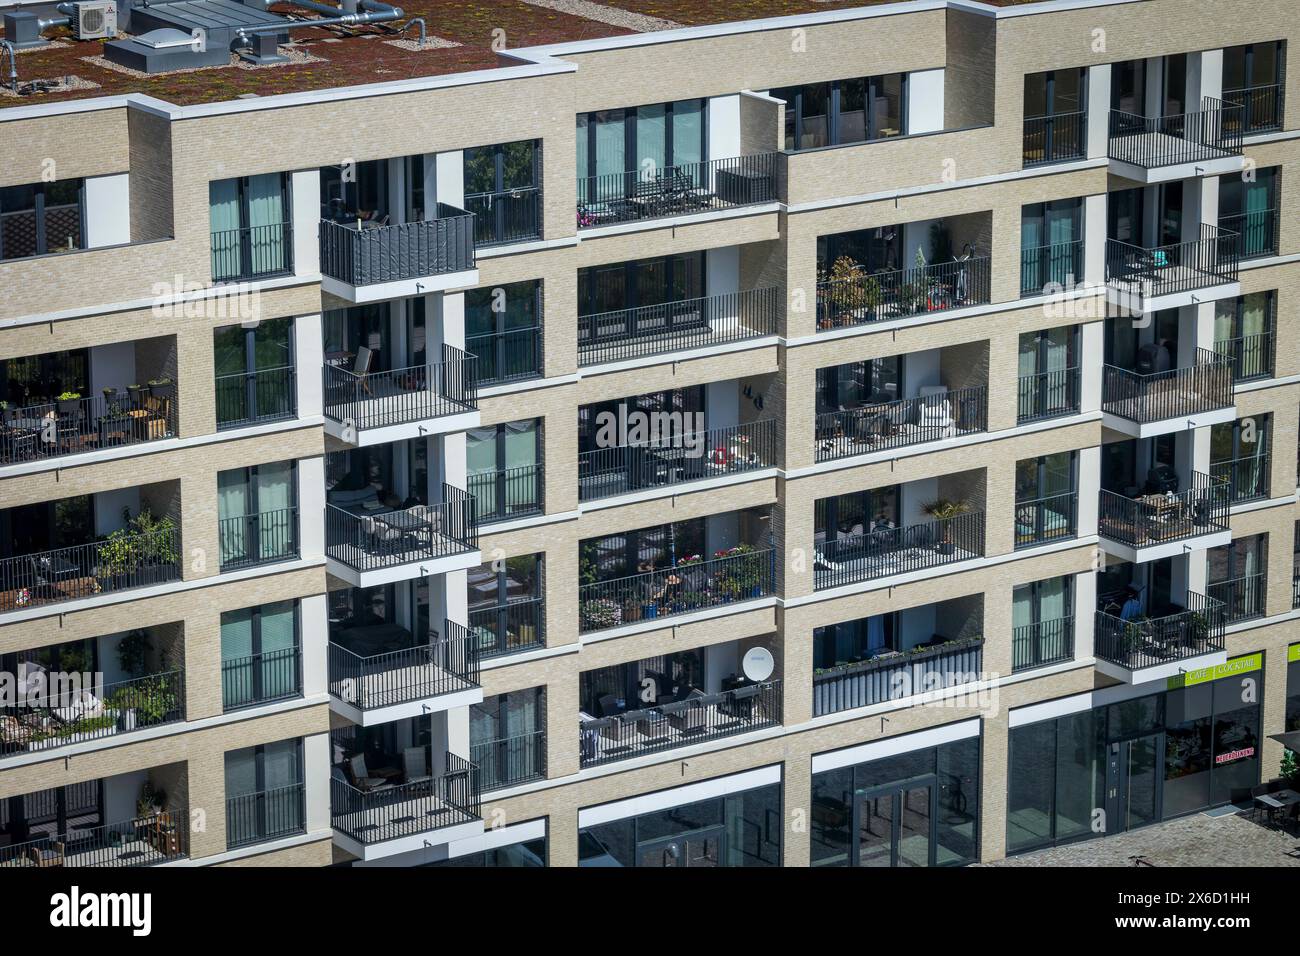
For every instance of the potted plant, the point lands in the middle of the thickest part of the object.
(150, 802)
(599, 613)
(944, 510)
(69, 403)
(162, 387)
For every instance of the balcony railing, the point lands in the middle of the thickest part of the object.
(1295, 581)
(261, 678)
(85, 570)
(1161, 518)
(877, 297)
(1251, 355)
(1177, 267)
(265, 395)
(1056, 267)
(390, 811)
(1261, 106)
(509, 493)
(1242, 598)
(1047, 395)
(907, 421)
(506, 356)
(1176, 393)
(738, 575)
(142, 841)
(508, 629)
(368, 542)
(253, 252)
(677, 326)
(1041, 643)
(1053, 518)
(52, 429)
(1252, 235)
(362, 254)
(1247, 478)
(510, 215)
(686, 722)
(265, 815)
(882, 552)
(508, 761)
(682, 190)
(404, 395)
(1213, 132)
(445, 665)
(898, 674)
(676, 460)
(1055, 138)
(58, 716)
(1148, 641)
(260, 538)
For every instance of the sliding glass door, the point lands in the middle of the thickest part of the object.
(250, 224)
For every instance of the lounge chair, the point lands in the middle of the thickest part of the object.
(361, 778)
(417, 767)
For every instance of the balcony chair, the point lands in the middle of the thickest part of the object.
(361, 368)
(416, 766)
(1161, 480)
(361, 778)
(935, 413)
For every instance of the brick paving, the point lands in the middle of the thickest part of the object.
(1196, 840)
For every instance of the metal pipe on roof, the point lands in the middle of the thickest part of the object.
(377, 13)
(13, 64)
(419, 44)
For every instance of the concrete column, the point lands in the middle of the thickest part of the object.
(313, 622)
(308, 360)
(311, 506)
(1098, 110)
(993, 792)
(304, 188)
(1091, 350)
(316, 778)
(1085, 604)
(796, 801)
(1094, 240)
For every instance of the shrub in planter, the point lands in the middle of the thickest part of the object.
(598, 613)
(944, 510)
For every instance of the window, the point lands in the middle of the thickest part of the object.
(850, 641)
(41, 218)
(1051, 245)
(505, 472)
(506, 611)
(1048, 367)
(1128, 87)
(1055, 115)
(635, 285)
(254, 373)
(1293, 688)
(503, 330)
(1236, 574)
(360, 191)
(251, 226)
(856, 384)
(264, 793)
(1250, 209)
(844, 520)
(1252, 76)
(260, 655)
(531, 853)
(1045, 498)
(684, 406)
(844, 111)
(1042, 622)
(507, 737)
(1056, 780)
(1243, 328)
(39, 379)
(257, 514)
(643, 140)
(501, 190)
(1239, 454)
(640, 551)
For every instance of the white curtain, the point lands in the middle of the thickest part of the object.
(279, 663)
(236, 646)
(481, 466)
(266, 213)
(223, 215)
(274, 504)
(521, 453)
(233, 502)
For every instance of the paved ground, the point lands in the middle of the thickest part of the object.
(1196, 840)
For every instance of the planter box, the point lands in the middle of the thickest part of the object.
(896, 676)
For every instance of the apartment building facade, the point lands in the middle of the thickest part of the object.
(851, 439)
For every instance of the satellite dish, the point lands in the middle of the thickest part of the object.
(758, 664)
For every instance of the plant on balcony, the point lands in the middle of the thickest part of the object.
(69, 402)
(145, 541)
(599, 613)
(151, 800)
(133, 652)
(944, 510)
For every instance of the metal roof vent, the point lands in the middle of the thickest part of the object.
(169, 38)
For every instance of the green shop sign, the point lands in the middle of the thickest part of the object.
(1293, 652)
(1229, 668)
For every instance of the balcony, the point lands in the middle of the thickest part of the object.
(382, 811)
(506, 216)
(1151, 526)
(694, 719)
(1261, 107)
(507, 494)
(444, 534)
(506, 356)
(254, 252)
(1150, 648)
(884, 552)
(1042, 643)
(257, 679)
(717, 453)
(893, 675)
(46, 430)
(265, 395)
(908, 421)
(1161, 277)
(509, 761)
(1247, 478)
(902, 293)
(437, 395)
(1242, 598)
(508, 628)
(1051, 269)
(1043, 520)
(1159, 402)
(443, 667)
(734, 576)
(677, 326)
(364, 262)
(1153, 149)
(264, 815)
(1047, 395)
(672, 191)
(1056, 138)
(265, 537)
(1253, 235)
(142, 841)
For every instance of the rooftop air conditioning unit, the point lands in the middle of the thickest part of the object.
(95, 19)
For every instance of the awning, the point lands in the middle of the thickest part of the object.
(1289, 740)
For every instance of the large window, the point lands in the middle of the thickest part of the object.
(1056, 779)
(1293, 688)
(1042, 622)
(1243, 328)
(1045, 498)
(41, 218)
(844, 111)
(642, 139)
(257, 514)
(1250, 209)
(501, 190)
(852, 641)
(845, 518)
(1055, 116)
(39, 379)
(1252, 76)
(505, 474)
(251, 226)
(260, 655)
(506, 610)
(503, 330)
(1239, 454)
(507, 737)
(1237, 575)
(254, 372)
(264, 793)
(1048, 367)
(640, 282)
(870, 382)
(640, 551)
(1051, 245)
(530, 853)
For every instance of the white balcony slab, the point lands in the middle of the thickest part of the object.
(386, 434)
(1164, 549)
(1164, 426)
(1213, 166)
(404, 571)
(400, 289)
(1159, 672)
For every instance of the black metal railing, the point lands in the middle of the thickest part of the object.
(676, 459)
(1047, 395)
(1212, 132)
(682, 723)
(1252, 235)
(506, 356)
(677, 326)
(508, 493)
(1176, 267)
(71, 426)
(390, 811)
(252, 252)
(1176, 393)
(1053, 268)
(63, 714)
(1041, 643)
(1252, 355)
(143, 841)
(261, 678)
(1242, 598)
(264, 395)
(1161, 518)
(1261, 106)
(1052, 518)
(509, 215)
(1247, 477)
(265, 815)
(898, 674)
(444, 665)
(739, 575)
(886, 551)
(1148, 641)
(907, 421)
(1055, 138)
(901, 293)
(507, 761)
(689, 188)
(368, 542)
(263, 537)
(1295, 581)
(509, 628)
(131, 560)
(403, 395)
(360, 254)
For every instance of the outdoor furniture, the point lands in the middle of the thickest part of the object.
(47, 856)
(686, 716)
(361, 777)
(416, 766)
(361, 368)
